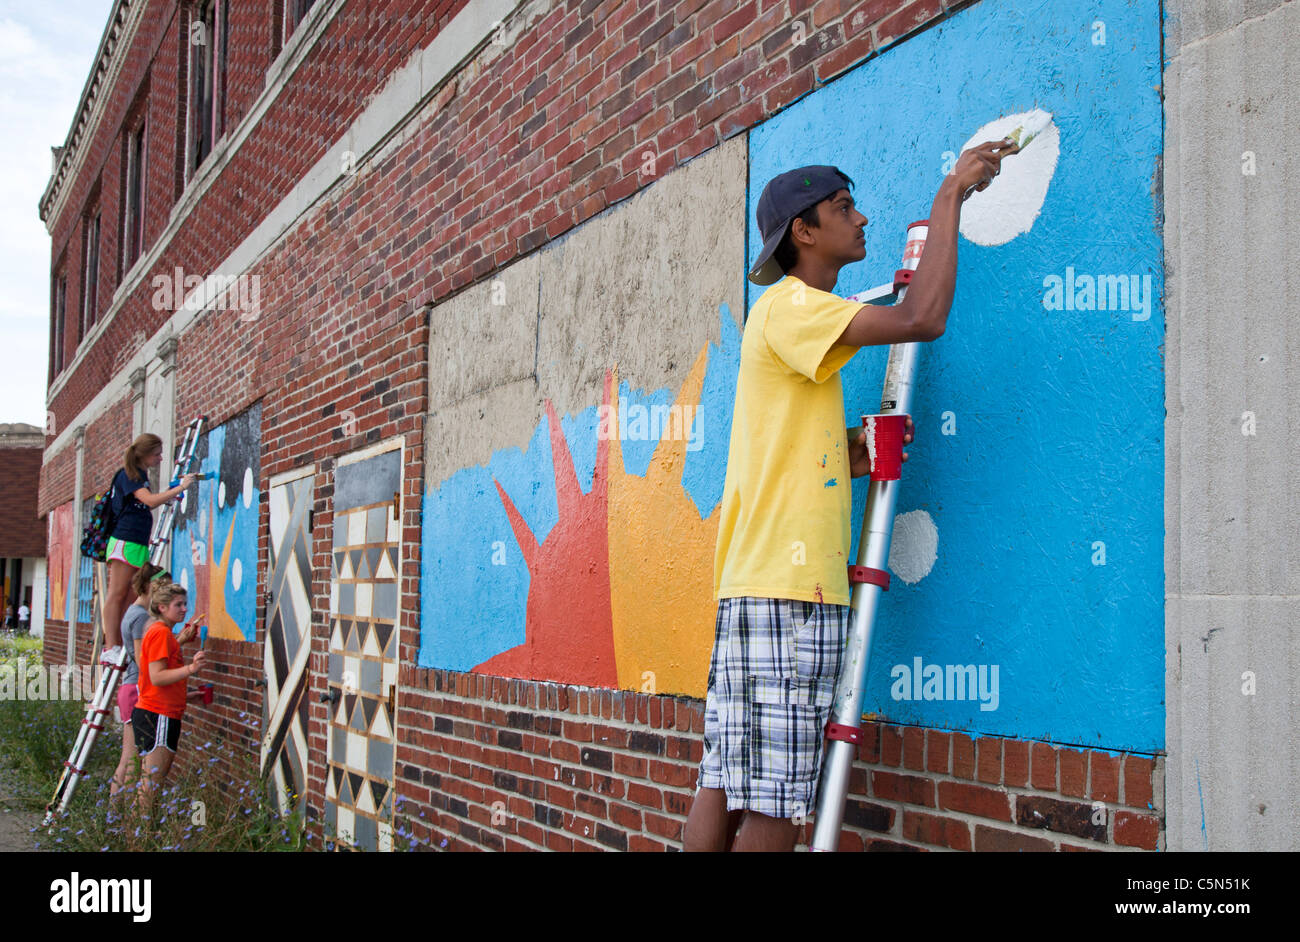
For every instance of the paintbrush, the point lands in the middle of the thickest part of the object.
(1020, 138)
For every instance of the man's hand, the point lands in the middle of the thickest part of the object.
(976, 168)
(860, 458)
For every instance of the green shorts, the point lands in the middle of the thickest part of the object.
(133, 554)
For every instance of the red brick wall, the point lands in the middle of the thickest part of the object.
(22, 532)
(487, 763)
(55, 650)
(107, 437)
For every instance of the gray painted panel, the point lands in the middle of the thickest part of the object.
(367, 482)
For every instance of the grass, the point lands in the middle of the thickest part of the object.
(214, 799)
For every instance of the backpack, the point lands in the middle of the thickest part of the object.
(103, 515)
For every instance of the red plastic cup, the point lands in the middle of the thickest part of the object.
(885, 445)
(207, 692)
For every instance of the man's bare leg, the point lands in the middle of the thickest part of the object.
(763, 833)
(710, 827)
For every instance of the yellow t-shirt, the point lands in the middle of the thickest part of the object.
(784, 528)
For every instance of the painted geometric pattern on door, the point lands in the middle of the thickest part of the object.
(363, 652)
(288, 642)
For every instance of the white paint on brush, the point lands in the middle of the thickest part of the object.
(1011, 203)
(914, 546)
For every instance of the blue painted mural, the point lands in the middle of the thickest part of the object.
(1039, 458)
(214, 544)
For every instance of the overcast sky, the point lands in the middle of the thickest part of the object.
(46, 51)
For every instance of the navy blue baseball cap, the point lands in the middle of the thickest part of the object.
(786, 196)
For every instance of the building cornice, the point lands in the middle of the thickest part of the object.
(118, 34)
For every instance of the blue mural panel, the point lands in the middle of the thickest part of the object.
(214, 542)
(1039, 458)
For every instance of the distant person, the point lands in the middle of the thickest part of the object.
(24, 618)
(128, 544)
(134, 623)
(9, 616)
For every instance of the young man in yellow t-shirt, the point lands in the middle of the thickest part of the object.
(780, 569)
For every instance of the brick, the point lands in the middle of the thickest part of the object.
(1042, 766)
(818, 44)
(729, 125)
(865, 15)
(664, 827)
(669, 774)
(989, 839)
(611, 837)
(850, 842)
(1137, 830)
(1074, 772)
(733, 22)
(625, 816)
(1015, 762)
(1062, 817)
(640, 844)
(937, 749)
(963, 756)
(879, 844)
(932, 829)
(988, 763)
(975, 799)
(1105, 777)
(869, 747)
(871, 817)
(629, 766)
(906, 20)
(644, 795)
(796, 86)
(911, 789)
(891, 746)
(914, 748)
(590, 805)
(1138, 772)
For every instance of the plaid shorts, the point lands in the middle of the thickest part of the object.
(771, 683)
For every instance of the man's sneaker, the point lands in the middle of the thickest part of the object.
(110, 657)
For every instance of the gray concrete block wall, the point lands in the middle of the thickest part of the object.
(1232, 500)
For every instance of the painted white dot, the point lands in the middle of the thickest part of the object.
(236, 574)
(185, 579)
(1011, 203)
(221, 494)
(914, 546)
(248, 487)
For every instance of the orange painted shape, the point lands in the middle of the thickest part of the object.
(661, 562)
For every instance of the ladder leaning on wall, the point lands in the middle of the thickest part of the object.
(112, 668)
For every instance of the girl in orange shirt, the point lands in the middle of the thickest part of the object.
(163, 675)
